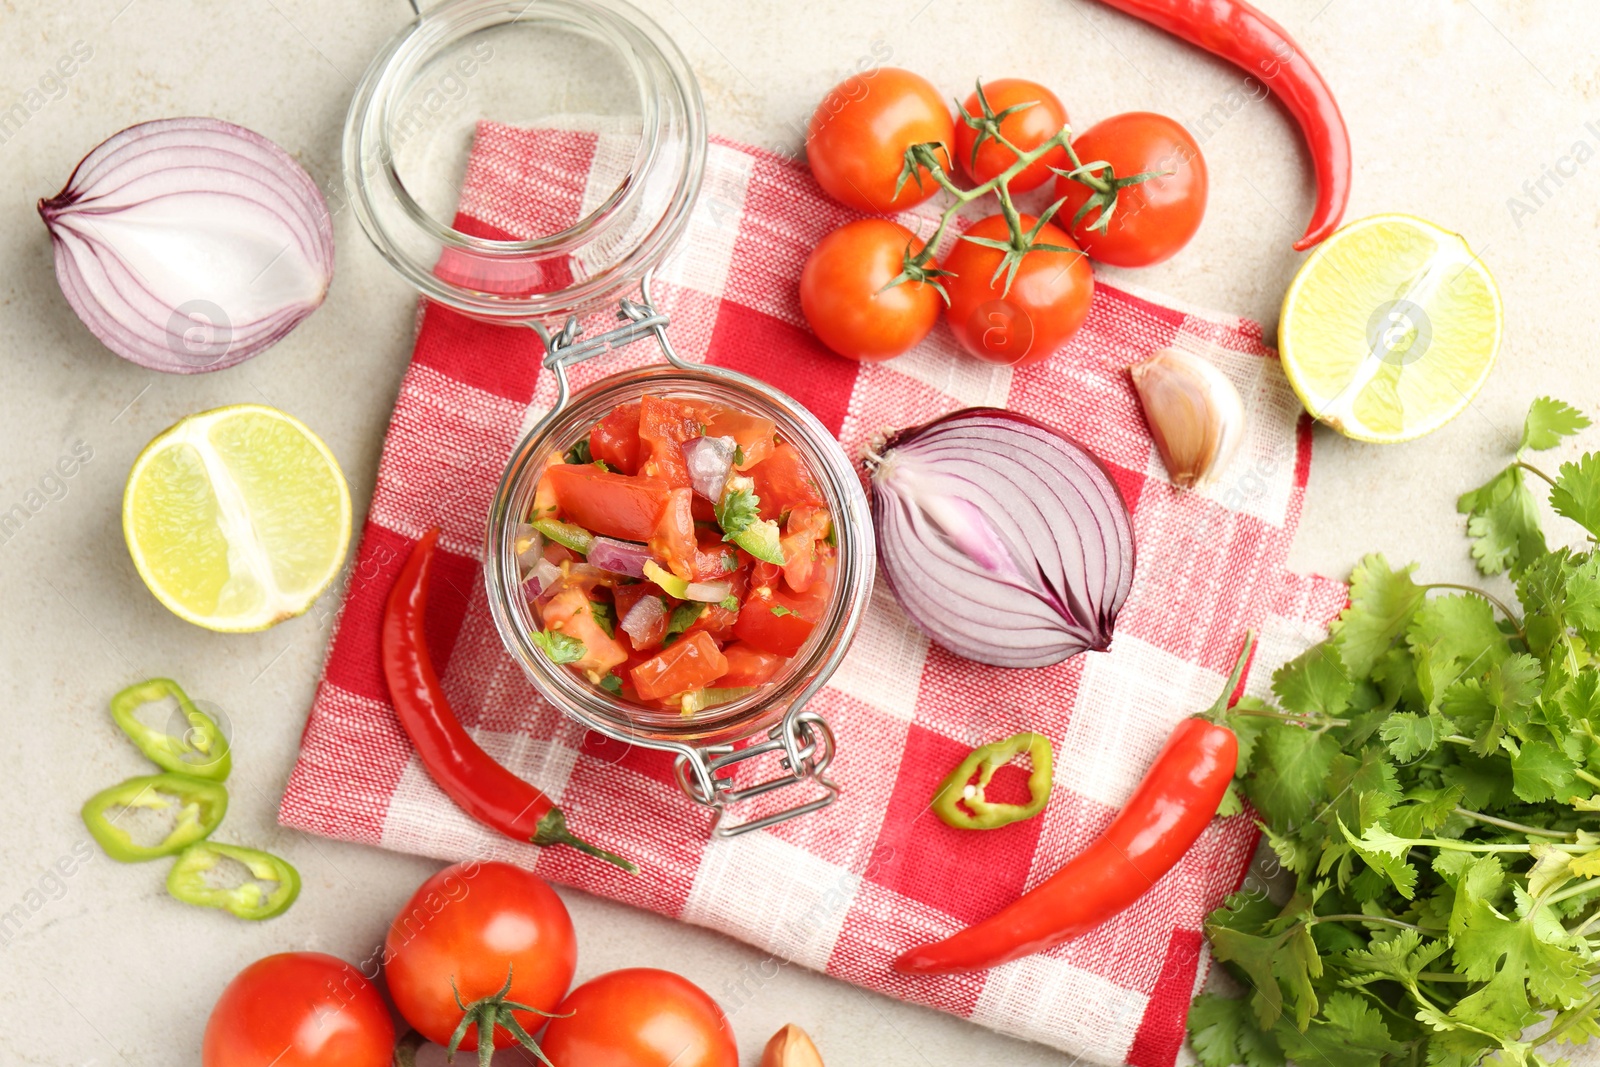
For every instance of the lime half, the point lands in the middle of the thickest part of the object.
(237, 518)
(1390, 328)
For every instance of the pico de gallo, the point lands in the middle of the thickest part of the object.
(679, 555)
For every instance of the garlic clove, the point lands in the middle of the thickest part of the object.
(1195, 414)
(791, 1047)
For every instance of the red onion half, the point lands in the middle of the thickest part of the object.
(1004, 540)
(190, 244)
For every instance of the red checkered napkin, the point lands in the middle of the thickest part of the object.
(844, 890)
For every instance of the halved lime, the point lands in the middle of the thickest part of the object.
(237, 518)
(1390, 328)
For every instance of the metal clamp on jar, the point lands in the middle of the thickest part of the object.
(542, 66)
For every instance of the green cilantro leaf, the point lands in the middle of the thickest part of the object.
(1382, 603)
(730, 561)
(1503, 521)
(1411, 736)
(1223, 1034)
(684, 615)
(737, 511)
(1540, 771)
(738, 455)
(780, 611)
(1548, 422)
(1577, 493)
(1513, 956)
(1314, 683)
(605, 617)
(1351, 1033)
(1386, 853)
(1290, 772)
(1461, 634)
(560, 647)
(579, 453)
(611, 684)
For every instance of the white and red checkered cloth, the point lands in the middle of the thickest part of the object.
(847, 889)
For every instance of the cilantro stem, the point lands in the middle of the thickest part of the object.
(1586, 776)
(1568, 1019)
(1510, 615)
(1531, 469)
(1293, 720)
(1441, 976)
(1507, 824)
(1585, 886)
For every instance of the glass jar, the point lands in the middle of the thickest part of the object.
(602, 67)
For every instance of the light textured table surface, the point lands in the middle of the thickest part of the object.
(1452, 105)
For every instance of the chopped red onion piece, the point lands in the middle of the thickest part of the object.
(532, 546)
(190, 244)
(709, 459)
(619, 557)
(1004, 540)
(642, 619)
(544, 575)
(708, 592)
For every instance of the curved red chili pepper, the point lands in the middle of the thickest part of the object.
(469, 776)
(1173, 804)
(1237, 32)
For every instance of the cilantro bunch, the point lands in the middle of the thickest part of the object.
(1430, 789)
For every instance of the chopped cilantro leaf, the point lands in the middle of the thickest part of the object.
(738, 455)
(611, 684)
(780, 611)
(579, 453)
(605, 617)
(684, 615)
(730, 560)
(729, 603)
(560, 647)
(602, 464)
(737, 510)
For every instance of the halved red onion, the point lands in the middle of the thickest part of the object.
(1004, 540)
(619, 557)
(709, 460)
(642, 619)
(708, 592)
(190, 244)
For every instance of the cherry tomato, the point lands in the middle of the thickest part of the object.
(465, 930)
(1155, 218)
(691, 662)
(615, 439)
(299, 1009)
(748, 666)
(640, 1018)
(607, 503)
(843, 297)
(1027, 129)
(859, 134)
(1048, 301)
(784, 482)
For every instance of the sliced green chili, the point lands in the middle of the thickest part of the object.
(566, 534)
(201, 751)
(272, 886)
(197, 807)
(960, 801)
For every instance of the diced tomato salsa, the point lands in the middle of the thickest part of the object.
(726, 564)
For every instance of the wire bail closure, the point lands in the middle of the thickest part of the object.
(802, 739)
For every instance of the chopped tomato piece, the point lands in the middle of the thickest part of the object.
(673, 539)
(690, 663)
(626, 597)
(715, 559)
(664, 426)
(764, 577)
(748, 666)
(812, 603)
(703, 510)
(769, 624)
(603, 502)
(615, 440)
(570, 612)
(802, 541)
(544, 499)
(718, 620)
(784, 483)
(751, 433)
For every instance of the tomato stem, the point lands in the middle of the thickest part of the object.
(405, 1050)
(485, 1014)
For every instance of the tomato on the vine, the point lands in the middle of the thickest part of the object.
(843, 294)
(1026, 129)
(1048, 300)
(299, 1009)
(640, 1018)
(859, 134)
(485, 932)
(1152, 219)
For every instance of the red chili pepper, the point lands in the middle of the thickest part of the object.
(1237, 32)
(1173, 804)
(469, 776)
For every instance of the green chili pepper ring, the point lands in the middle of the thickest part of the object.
(961, 803)
(173, 752)
(187, 881)
(200, 806)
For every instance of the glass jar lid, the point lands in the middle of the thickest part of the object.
(521, 90)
